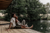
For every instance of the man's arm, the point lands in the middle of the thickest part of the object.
(11, 20)
(10, 25)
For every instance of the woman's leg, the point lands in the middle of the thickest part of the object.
(23, 22)
(24, 27)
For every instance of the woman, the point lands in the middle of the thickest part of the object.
(23, 25)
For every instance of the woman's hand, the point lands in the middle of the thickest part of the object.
(16, 17)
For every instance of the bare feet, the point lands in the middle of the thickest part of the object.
(24, 27)
(31, 26)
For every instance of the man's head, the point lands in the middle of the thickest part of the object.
(13, 15)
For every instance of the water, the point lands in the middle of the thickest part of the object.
(47, 23)
(42, 25)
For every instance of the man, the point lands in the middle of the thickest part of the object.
(12, 21)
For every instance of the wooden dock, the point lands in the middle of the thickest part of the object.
(4, 25)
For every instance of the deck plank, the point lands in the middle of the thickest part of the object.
(22, 31)
(31, 31)
(10, 31)
(3, 29)
(16, 31)
(3, 22)
(0, 29)
(28, 31)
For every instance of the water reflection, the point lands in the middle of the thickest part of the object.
(47, 23)
(42, 25)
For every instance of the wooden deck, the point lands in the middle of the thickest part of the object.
(4, 25)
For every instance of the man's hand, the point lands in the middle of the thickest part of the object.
(7, 29)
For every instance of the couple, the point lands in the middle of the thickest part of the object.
(14, 20)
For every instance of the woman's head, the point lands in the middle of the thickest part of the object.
(13, 15)
(16, 17)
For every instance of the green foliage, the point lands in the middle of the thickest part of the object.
(30, 9)
(2, 11)
(1, 17)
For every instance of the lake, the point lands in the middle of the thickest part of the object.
(43, 26)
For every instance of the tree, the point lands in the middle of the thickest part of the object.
(34, 8)
(47, 8)
(18, 7)
(30, 9)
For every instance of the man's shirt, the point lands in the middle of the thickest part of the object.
(13, 22)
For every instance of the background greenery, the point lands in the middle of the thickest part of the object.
(30, 11)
